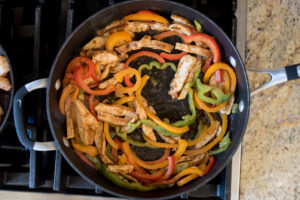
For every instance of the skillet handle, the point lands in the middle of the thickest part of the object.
(19, 120)
(277, 76)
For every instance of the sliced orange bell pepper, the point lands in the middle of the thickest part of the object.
(88, 149)
(223, 66)
(123, 160)
(124, 100)
(187, 171)
(146, 16)
(187, 179)
(112, 143)
(214, 142)
(117, 39)
(152, 116)
(120, 75)
(138, 161)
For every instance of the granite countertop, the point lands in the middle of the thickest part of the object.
(270, 166)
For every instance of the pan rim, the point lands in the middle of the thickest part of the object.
(245, 112)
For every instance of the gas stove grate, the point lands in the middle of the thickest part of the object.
(31, 32)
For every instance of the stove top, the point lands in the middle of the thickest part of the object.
(31, 32)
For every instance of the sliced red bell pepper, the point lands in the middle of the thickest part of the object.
(207, 64)
(175, 56)
(146, 11)
(219, 76)
(168, 174)
(171, 167)
(210, 165)
(152, 177)
(135, 56)
(165, 34)
(118, 142)
(87, 161)
(114, 153)
(92, 106)
(209, 41)
(78, 61)
(194, 30)
(78, 77)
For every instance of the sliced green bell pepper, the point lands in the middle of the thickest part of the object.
(218, 93)
(130, 140)
(188, 119)
(118, 180)
(157, 65)
(224, 144)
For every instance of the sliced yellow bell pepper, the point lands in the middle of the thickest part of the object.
(120, 75)
(117, 39)
(146, 17)
(152, 116)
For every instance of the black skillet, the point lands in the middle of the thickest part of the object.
(6, 98)
(82, 34)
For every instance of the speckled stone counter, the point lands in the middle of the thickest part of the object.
(270, 166)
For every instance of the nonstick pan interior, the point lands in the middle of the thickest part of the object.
(85, 32)
(6, 98)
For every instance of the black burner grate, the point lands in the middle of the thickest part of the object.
(31, 32)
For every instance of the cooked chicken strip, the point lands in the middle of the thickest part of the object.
(207, 138)
(181, 28)
(88, 81)
(137, 26)
(167, 139)
(182, 20)
(101, 144)
(190, 78)
(111, 26)
(95, 43)
(116, 68)
(105, 57)
(112, 119)
(88, 53)
(227, 109)
(105, 72)
(192, 49)
(105, 84)
(4, 68)
(144, 42)
(142, 115)
(5, 84)
(185, 65)
(120, 168)
(117, 110)
(183, 159)
(133, 120)
(70, 123)
(198, 159)
(86, 122)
